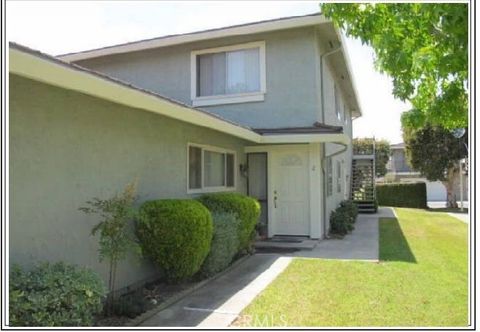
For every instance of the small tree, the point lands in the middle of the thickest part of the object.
(435, 152)
(116, 240)
(382, 152)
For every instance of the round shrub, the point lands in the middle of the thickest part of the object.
(343, 218)
(339, 222)
(176, 235)
(246, 208)
(54, 295)
(224, 243)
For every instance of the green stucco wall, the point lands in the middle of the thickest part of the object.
(291, 97)
(66, 148)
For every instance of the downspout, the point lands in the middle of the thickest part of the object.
(322, 102)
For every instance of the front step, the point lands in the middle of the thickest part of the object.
(275, 244)
(366, 206)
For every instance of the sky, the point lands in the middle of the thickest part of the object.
(58, 27)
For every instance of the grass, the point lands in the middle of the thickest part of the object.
(421, 280)
(454, 210)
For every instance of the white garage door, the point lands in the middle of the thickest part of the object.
(436, 191)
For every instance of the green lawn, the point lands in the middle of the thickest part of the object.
(420, 281)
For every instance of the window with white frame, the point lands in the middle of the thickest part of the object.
(329, 177)
(337, 102)
(210, 168)
(228, 74)
(339, 176)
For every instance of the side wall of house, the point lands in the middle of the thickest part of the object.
(66, 148)
(340, 180)
(291, 60)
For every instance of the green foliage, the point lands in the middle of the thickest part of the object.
(224, 243)
(413, 195)
(246, 208)
(423, 47)
(432, 151)
(435, 152)
(176, 234)
(382, 152)
(54, 295)
(343, 218)
(132, 304)
(116, 239)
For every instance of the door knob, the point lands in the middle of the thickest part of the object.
(275, 199)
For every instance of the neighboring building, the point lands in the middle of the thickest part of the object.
(264, 109)
(399, 170)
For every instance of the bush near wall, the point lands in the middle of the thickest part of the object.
(176, 234)
(224, 243)
(343, 218)
(246, 208)
(56, 294)
(413, 195)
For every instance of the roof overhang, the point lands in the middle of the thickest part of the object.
(243, 29)
(49, 70)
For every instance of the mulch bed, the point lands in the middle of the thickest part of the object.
(134, 303)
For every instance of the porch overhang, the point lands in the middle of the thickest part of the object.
(306, 138)
(318, 133)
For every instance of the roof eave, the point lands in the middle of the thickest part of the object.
(40, 69)
(244, 29)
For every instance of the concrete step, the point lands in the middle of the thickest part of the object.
(271, 244)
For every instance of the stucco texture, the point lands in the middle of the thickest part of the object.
(66, 148)
(291, 63)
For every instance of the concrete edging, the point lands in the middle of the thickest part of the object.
(177, 297)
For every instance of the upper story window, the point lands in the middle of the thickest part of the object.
(231, 74)
(337, 102)
(210, 169)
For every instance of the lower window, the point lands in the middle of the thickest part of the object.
(210, 168)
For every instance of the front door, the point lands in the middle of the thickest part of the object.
(290, 192)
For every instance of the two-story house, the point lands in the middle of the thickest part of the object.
(264, 109)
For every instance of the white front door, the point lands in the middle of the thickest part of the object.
(290, 192)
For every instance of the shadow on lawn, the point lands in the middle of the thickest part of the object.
(393, 244)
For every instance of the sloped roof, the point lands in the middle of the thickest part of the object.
(169, 40)
(44, 68)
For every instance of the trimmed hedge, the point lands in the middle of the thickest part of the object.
(176, 234)
(413, 195)
(56, 294)
(224, 243)
(246, 208)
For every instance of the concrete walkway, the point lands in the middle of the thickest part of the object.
(461, 216)
(361, 244)
(219, 302)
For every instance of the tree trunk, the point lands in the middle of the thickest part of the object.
(450, 186)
